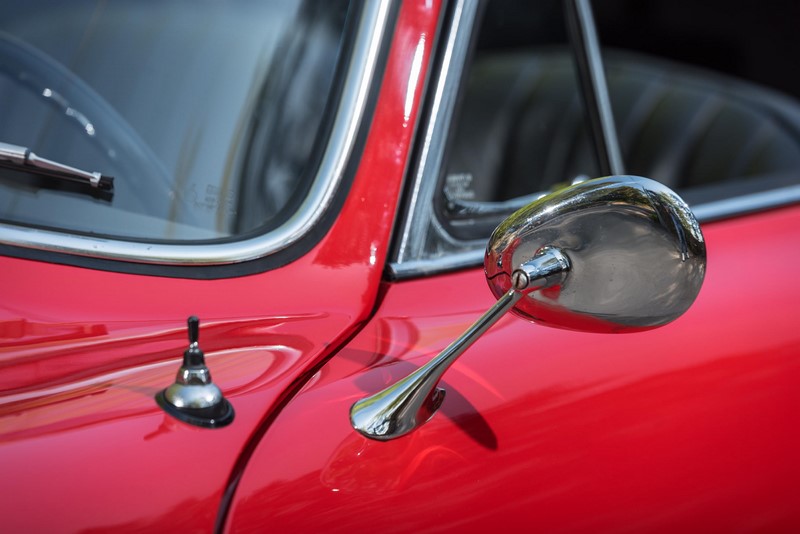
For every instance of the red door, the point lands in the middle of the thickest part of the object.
(83, 351)
(686, 427)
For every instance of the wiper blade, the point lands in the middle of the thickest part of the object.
(21, 158)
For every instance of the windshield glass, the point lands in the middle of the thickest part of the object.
(209, 115)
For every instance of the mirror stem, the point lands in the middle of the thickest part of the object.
(412, 401)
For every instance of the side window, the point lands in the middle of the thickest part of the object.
(694, 107)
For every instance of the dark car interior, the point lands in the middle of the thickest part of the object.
(699, 104)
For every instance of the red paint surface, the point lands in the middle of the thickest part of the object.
(83, 445)
(690, 427)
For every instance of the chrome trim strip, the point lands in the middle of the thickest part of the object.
(436, 131)
(417, 268)
(706, 212)
(774, 198)
(370, 34)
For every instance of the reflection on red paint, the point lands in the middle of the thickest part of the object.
(20, 332)
(361, 466)
(80, 434)
(686, 427)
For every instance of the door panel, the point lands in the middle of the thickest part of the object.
(689, 425)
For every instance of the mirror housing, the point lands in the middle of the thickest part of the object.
(637, 255)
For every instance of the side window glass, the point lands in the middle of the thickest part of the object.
(519, 128)
(694, 109)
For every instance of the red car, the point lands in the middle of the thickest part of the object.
(317, 182)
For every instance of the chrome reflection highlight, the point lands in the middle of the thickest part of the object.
(615, 254)
(194, 398)
(409, 403)
(636, 251)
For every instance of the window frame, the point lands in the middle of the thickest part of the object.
(421, 221)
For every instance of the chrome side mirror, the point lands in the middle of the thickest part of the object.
(616, 254)
(636, 254)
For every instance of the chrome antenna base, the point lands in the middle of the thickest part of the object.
(411, 402)
(194, 398)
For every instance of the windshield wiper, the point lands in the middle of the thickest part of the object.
(21, 158)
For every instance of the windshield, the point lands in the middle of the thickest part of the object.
(209, 115)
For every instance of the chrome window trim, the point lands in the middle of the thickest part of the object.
(705, 212)
(418, 218)
(740, 205)
(370, 34)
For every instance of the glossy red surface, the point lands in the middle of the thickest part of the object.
(689, 427)
(684, 428)
(83, 445)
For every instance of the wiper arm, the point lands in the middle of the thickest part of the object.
(21, 158)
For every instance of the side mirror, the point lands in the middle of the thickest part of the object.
(615, 254)
(636, 256)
